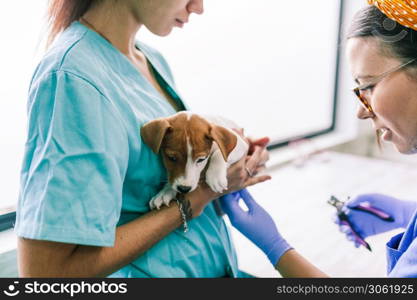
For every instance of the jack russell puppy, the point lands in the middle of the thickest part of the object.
(190, 143)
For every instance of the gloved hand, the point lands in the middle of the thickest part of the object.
(256, 224)
(367, 224)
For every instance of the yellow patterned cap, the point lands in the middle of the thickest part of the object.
(401, 11)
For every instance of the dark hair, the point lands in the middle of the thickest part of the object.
(395, 39)
(61, 13)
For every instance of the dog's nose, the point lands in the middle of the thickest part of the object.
(183, 189)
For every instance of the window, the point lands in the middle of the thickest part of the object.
(268, 65)
(21, 25)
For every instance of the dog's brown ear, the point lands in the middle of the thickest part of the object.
(224, 138)
(154, 132)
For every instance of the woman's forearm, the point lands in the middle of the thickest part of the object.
(131, 241)
(294, 265)
(51, 259)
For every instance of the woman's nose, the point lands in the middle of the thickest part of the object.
(196, 6)
(363, 113)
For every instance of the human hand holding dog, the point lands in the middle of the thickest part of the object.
(237, 176)
(263, 155)
(243, 173)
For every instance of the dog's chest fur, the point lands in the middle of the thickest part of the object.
(193, 148)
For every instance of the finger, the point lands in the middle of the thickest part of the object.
(253, 161)
(263, 142)
(264, 157)
(259, 141)
(247, 197)
(259, 169)
(335, 219)
(358, 200)
(354, 240)
(256, 179)
(350, 237)
(261, 164)
(345, 229)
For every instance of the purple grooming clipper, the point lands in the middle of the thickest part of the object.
(368, 208)
(344, 220)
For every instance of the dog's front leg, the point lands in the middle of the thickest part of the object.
(216, 174)
(163, 197)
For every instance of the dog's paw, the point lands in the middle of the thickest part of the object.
(216, 179)
(163, 197)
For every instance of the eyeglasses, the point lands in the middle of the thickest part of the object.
(363, 87)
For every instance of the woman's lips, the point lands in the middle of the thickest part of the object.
(179, 23)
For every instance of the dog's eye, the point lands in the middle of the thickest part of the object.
(200, 160)
(172, 158)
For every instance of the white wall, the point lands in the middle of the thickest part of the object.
(269, 65)
(21, 24)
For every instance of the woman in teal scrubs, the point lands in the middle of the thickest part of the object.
(87, 178)
(382, 55)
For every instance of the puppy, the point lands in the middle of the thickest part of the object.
(190, 144)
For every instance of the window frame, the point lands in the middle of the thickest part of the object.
(7, 220)
(285, 142)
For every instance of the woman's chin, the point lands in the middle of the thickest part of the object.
(161, 31)
(406, 149)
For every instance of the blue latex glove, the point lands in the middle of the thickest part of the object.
(256, 224)
(368, 225)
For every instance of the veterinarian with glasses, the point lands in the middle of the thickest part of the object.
(383, 62)
(87, 177)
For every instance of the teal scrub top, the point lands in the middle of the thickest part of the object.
(86, 170)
